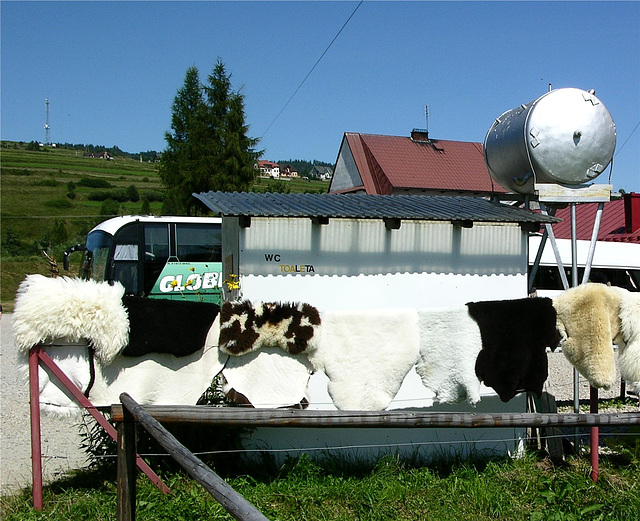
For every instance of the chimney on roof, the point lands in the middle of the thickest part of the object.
(631, 212)
(420, 135)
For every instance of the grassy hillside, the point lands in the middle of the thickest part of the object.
(51, 198)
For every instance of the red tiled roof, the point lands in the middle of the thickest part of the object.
(388, 163)
(612, 223)
(266, 163)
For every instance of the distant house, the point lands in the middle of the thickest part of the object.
(289, 172)
(101, 155)
(324, 173)
(415, 164)
(268, 168)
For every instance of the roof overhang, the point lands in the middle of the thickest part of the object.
(391, 208)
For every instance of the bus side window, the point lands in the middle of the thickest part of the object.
(156, 253)
(126, 272)
(199, 243)
(124, 267)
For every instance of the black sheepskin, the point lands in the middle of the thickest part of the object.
(238, 337)
(176, 327)
(515, 335)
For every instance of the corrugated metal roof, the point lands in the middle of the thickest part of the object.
(364, 206)
(612, 223)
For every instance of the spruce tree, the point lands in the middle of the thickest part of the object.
(208, 147)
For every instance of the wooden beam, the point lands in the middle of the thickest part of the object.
(240, 417)
(36, 442)
(126, 468)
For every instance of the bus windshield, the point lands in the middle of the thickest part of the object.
(95, 262)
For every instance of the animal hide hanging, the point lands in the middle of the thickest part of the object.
(588, 322)
(247, 326)
(151, 379)
(175, 327)
(515, 335)
(449, 345)
(72, 309)
(629, 343)
(366, 355)
(268, 377)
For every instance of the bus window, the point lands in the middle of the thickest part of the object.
(156, 242)
(125, 258)
(156, 253)
(199, 243)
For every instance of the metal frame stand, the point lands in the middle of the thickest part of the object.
(36, 356)
(549, 193)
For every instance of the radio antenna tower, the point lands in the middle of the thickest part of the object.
(46, 123)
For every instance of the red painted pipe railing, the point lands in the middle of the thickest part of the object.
(37, 355)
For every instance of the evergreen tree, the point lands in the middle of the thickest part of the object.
(208, 147)
(180, 160)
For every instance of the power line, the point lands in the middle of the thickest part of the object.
(312, 68)
(626, 140)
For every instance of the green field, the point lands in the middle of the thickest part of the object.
(46, 203)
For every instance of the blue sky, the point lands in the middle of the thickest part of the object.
(112, 69)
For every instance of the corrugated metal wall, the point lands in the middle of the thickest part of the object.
(365, 247)
(358, 263)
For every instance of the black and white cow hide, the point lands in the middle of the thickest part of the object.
(247, 326)
(515, 335)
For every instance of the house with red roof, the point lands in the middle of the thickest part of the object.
(415, 164)
(267, 168)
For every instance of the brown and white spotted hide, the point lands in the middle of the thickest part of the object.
(247, 326)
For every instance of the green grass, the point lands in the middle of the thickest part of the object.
(524, 489)
(34, 195)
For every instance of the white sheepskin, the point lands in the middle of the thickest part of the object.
(588, 320)
(449, 345)
(366, 355)
(629, 343)
(73, 309)
(156, 379)
(269, 377)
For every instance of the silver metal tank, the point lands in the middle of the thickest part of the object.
(566, 136)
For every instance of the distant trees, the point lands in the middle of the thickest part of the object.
(208, 147)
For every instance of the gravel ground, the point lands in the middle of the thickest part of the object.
(61, 440)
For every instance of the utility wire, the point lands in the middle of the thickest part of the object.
(626, 140)
(312, 68)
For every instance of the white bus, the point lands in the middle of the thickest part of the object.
(157, 257)
(614, 263)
